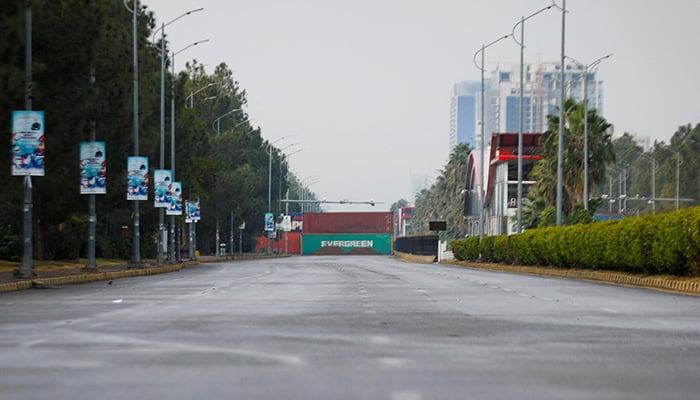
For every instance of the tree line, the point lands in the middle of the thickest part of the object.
(83, 72)
(624, 178)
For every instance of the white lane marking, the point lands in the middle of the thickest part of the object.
(33, 343)
(610, 310)
(406, 396)
(391, 362)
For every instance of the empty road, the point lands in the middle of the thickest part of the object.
(352, 327)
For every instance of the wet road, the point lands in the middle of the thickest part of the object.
(347, 328)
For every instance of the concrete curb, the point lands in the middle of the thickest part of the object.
(679, 285)
(88, 277)
(414, 258)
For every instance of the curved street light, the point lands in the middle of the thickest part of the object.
(191, 95)
(172, 139)
(586, 69)
(521, 43)
(481, 161)
(217, 123)
(161, 213)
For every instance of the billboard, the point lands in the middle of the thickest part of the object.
(161, 187)
(28, 143)
(350, 244)
(137, 178)
(93, 168)
(175, 194)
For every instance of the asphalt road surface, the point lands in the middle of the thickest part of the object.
(353, 327)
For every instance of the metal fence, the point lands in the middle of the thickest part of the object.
(419, 245)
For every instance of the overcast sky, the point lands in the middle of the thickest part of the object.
(364, 85)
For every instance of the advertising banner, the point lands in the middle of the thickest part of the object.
(93, 168)
(269, 222)
(341, 244)
(175, 194)
(137, 178)
(287, 223)
(297, 221)
(161, 187)
(28, 143)
(194, 213)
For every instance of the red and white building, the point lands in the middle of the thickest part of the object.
(499, 180)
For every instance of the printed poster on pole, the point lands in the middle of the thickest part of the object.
(161, 186)
(194, 212)
(175, 207)
(137, 178)
(93, 168)
(269, 222)
(28, 143)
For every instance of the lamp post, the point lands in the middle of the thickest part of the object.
(280, 188)
(560, 150)
(136, 258)
(678, 167)
(654, 168)
(161, 211)
(521, 43)
(217, 121)
(172, 139)
(586, 69)
(268, 149)
(26, 269)
(280, 170)
(481, 161)
(191, 96)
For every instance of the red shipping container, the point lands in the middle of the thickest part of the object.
(348, 222)
(292, 244)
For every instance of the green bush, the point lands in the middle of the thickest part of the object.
(502, 250)
(466, 249)
(658, 244)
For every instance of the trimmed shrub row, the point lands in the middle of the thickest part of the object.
(658, 244)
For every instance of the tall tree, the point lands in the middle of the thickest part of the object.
(600, 154)
(444, 199)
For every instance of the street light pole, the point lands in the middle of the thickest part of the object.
(137, 229)
(560, 150)
(26, 269)
(586, 69)
(161, 211)
(678, 168)
(217, 123)
(191, 96)
(482, 215)
(173, 255)
(521, 112)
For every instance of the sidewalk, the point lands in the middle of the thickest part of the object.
(56, 273)
(50, 274)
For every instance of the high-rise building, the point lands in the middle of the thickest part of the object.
(541, 97)
(463, 113)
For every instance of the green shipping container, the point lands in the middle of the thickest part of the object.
(350, 244)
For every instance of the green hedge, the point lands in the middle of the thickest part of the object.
(658, 244)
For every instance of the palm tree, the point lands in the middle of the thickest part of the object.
(600, 154)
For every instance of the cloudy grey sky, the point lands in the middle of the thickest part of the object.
(364, 85)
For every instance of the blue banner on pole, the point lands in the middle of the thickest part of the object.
(28, 143)
(93, 168)
(175, 207)
(137, 178)
(161, 187)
